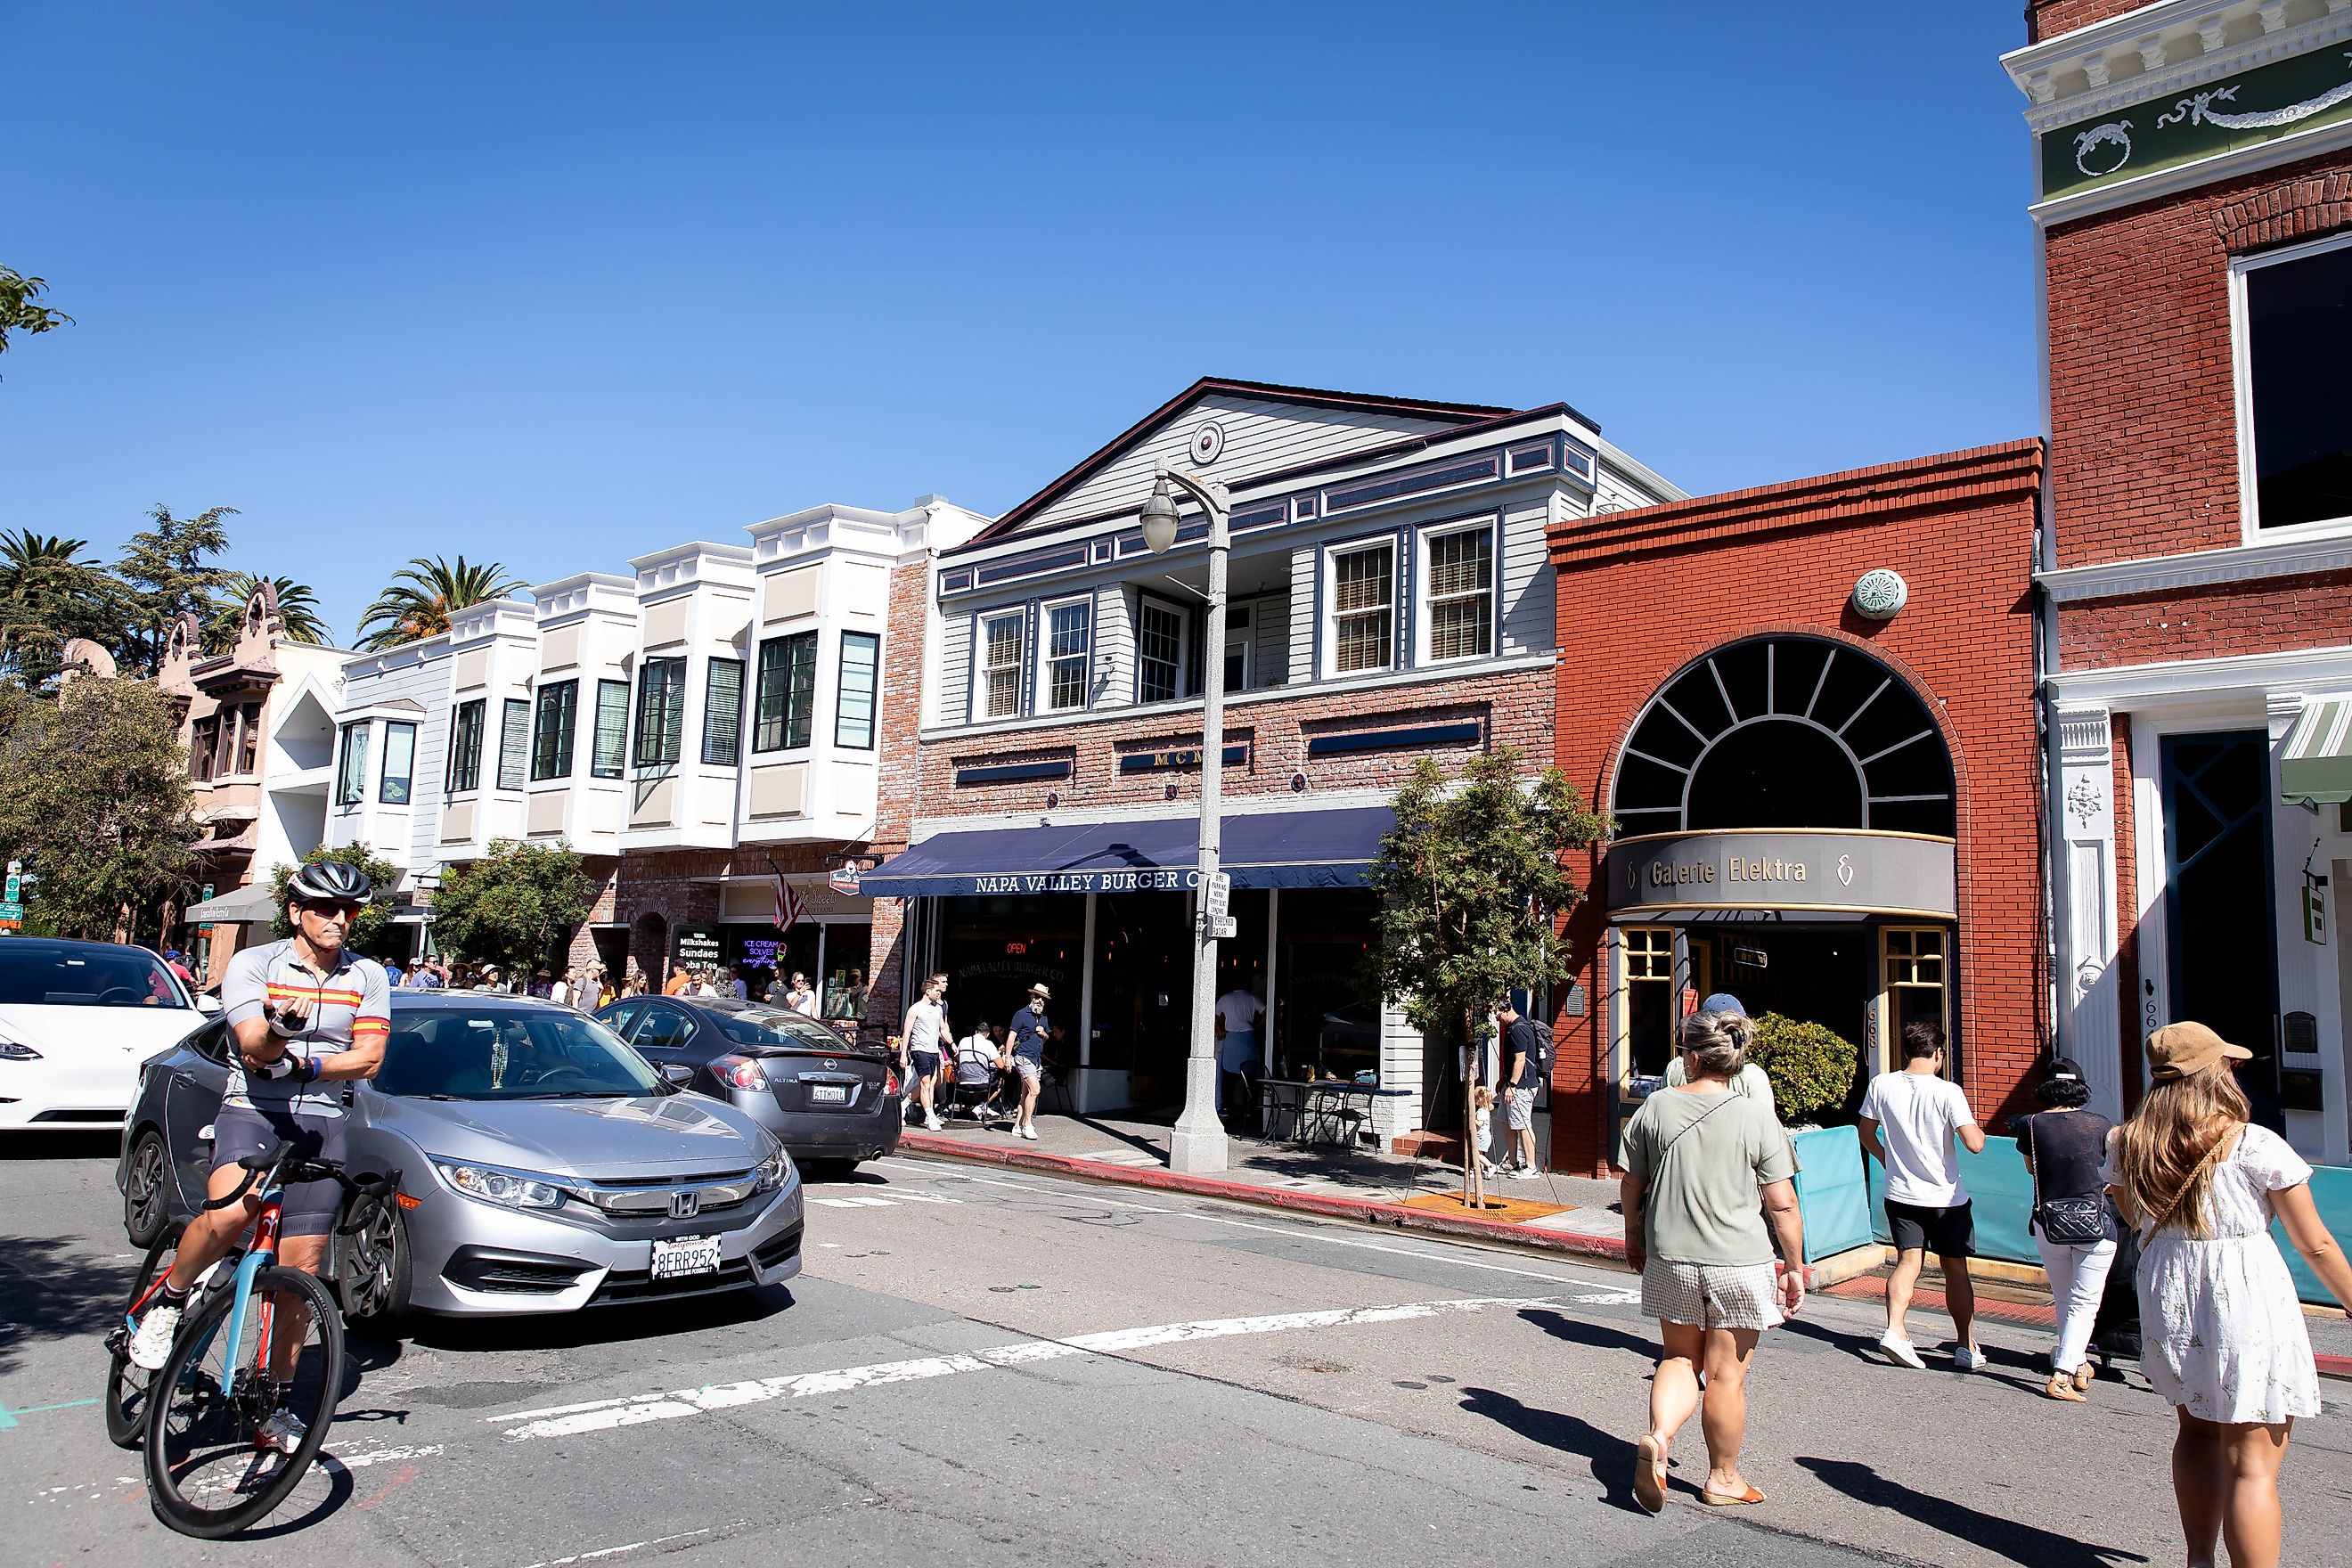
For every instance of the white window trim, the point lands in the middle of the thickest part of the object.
(1144, 601)
(2251, 531)
(1244, 641)
(1045, 655)
(1428, 536)
(1328, 664)
(981, 668)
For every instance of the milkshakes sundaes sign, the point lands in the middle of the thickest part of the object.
(1792, 869)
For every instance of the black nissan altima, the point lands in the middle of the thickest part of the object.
(830, 1103)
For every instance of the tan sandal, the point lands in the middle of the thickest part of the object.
(2061, 1386)
(2083, 1376)
(1650, 1475)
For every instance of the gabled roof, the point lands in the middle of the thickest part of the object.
(1209, 386)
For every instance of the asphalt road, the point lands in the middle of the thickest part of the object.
(1004, 1369)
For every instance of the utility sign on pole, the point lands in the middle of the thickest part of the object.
(15, 883)
(1219, 900)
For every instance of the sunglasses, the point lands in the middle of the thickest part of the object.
(327, 911)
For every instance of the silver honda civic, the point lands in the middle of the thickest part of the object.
(544, 1166)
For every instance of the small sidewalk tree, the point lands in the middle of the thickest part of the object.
(1472, 880)
(510, 906)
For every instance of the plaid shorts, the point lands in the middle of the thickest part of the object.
(1712, 1296)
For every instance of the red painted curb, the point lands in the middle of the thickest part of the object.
(1394, 1216)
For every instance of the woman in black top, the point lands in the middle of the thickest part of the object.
(2065, 1148)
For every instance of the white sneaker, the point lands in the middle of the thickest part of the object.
(282, 1429)
(1899, 1351)
(1968, 1358)
(151, 1347)
(931, 1122)
(1524, 1173)
(1029, 1132)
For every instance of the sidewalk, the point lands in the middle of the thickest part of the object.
(1551, 1212)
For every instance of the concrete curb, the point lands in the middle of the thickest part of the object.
(1391, 1216)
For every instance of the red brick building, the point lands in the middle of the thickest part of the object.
(2193, 207)
(1811, 707)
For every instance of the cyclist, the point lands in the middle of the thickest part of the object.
(303, 1014)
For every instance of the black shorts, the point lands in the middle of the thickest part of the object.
(1946, 1232)
(309, 1208)
(927, 1063)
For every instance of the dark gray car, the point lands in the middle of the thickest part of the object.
(830, 1103)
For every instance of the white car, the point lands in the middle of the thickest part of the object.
(78, 1020)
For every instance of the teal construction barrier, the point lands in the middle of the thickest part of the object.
(1832, 1192)
(2000, 1190)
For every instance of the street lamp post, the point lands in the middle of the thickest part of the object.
(1199, 1141)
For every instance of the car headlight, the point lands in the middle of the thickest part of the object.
(776, 1170)
(11, 1051)
(515, 1189)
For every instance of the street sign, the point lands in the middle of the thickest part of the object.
(1223, 927)
(10, 910)
(1220, 899)
(15, 887)
(208, 893)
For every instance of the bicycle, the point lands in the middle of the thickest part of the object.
(255, 1340)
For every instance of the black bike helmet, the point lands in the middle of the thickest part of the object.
(329, 882)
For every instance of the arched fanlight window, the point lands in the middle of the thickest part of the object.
(1785, 732)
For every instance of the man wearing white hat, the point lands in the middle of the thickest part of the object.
(1027, 1034)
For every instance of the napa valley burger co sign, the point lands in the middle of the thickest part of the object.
(1792, 869)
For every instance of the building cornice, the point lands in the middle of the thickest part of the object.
(2138, 687)
(1189, 811)
(2218, 170)
(2199, 569)
(2158, 49)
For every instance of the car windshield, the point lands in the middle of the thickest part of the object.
(767, 1026)
(507, 1053)
(36, 975)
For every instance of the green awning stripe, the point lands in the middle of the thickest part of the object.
(2315, 764)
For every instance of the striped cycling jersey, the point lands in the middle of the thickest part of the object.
(353, 1003)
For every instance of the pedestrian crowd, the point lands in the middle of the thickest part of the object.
(2189, 1181)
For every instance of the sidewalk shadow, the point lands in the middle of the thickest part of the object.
(1860, 1346)
(2028, 1545)
(1597, 1336)
(1609, 1457)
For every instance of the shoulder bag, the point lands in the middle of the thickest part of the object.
(2064, 1222)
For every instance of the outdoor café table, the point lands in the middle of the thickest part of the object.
(1321, 1104)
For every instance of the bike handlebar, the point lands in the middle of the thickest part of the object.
(292, 1167)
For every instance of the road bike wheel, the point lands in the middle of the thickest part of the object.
(126, 1385)
(206, 1474)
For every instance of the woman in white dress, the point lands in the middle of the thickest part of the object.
(2221, 1331)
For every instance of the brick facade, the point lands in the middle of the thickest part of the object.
(2199, 622)
(2049, 18)
(1644, 593)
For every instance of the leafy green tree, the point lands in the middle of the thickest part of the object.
(49, 593)
(298, 612)
(94, 799)
(512, 906)
(168, 571)
(423, 596)
(21, 309)
(1472, 879)
(366, 933)
(1812, 1066)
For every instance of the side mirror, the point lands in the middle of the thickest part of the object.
(207, 1004)
(678, 1073)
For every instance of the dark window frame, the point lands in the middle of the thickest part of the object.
(659, 733)
(466, 722)
(555, 716)
(784, 704)
(350, 764)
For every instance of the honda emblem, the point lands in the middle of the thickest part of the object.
(685, 1204)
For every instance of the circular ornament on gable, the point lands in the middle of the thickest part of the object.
(1208, 442)
(1880, 595)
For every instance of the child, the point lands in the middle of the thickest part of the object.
(1482, 1130)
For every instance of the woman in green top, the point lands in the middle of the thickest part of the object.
(1696, 1157)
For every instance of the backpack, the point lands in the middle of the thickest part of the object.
(1541, 1050)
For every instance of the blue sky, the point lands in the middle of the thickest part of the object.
(556, 284)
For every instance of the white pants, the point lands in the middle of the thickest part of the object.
(2078, 1277)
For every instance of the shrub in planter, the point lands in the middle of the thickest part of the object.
(1812, 1066)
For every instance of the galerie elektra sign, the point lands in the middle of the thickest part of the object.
(1792, 868)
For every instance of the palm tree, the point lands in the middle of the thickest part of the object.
(298, 612)
(422, 597)
(49, 593)
(25, 552)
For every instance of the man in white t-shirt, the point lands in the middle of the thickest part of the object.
(1910, 1122)
(1239, 1013)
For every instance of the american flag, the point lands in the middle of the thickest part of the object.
(788, 908)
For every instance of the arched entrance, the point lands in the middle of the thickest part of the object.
(1786, 807)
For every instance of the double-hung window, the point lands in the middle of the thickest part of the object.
(661, 712)
(1458, 594)
(861, 681)
(610, 758)
(1068, 653)
(514, 743)
(399, 763)
(2295, 403)
(1158, 652)
(466, 746)
(350, 766)
(786, 696)
(1362, 596)
(1000, 641)
(550, 736)
(722, 713)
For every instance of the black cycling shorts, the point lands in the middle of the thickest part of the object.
(309, 1208)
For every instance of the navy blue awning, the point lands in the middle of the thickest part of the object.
(1263, 850)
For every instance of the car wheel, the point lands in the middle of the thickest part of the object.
(827, 1170)
(147, 1190)
(373, 1270)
